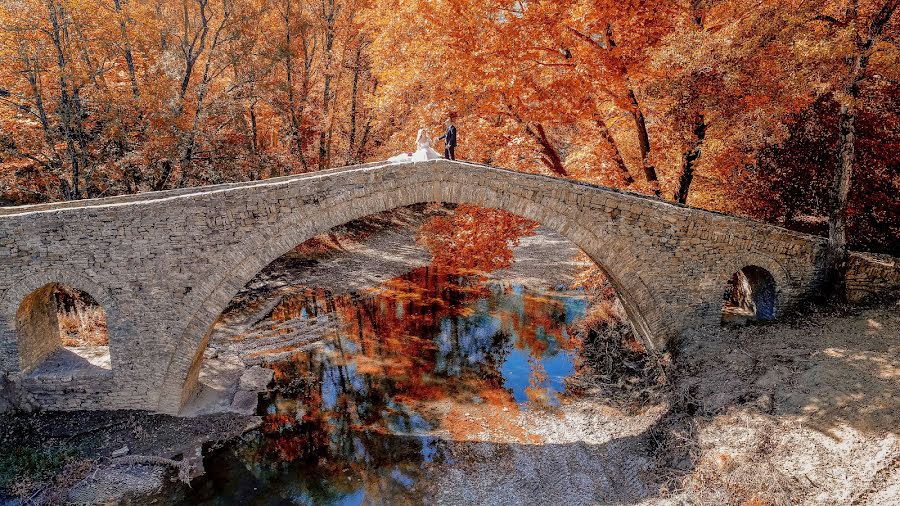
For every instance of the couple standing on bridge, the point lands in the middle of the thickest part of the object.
(425, 152)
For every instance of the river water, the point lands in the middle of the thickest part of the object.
(417, 375)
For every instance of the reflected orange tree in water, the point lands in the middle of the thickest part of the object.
(425, 354)
(474, 238)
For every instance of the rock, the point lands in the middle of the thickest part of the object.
(764, 403)
(244, 402)
(121, 452)
(774, 377)
(132, 484)
(716, 402)
(13, 398)
(684, 464)
(253, 424)
(195, 463)
(256, 379)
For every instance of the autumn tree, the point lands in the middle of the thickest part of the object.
(863, 33)
(125, 96)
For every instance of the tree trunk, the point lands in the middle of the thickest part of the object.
(187, 161)
(66, 114)
(289, 70)
(837, 253)
(364, 141)
(690, 158)
(329, 17)
(606, 44)
(31, 74)
(551, 158)
(309, 55)
(194, 48)
(129, 59)
(163, 180)
(836, 266)
(357, 69)
(617, 155)
(254, 135)
(87, 168)
(644, 144)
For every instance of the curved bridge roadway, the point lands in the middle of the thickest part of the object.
(164, 265)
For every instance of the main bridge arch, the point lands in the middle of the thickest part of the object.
(264, 245)
(171, 261)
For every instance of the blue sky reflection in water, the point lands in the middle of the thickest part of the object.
(426, 361)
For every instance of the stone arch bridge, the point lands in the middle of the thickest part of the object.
(164, 265)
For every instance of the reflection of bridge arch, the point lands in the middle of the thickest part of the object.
(174, 260)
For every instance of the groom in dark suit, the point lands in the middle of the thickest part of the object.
(449, 139)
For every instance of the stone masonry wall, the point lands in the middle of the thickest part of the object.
(872, 276)
(164, 265)
(37, 327)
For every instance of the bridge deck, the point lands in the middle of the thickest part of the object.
(155, 196)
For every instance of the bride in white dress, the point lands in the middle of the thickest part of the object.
(424, 151)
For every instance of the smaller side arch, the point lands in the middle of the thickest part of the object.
(750, 295)
(24, 285)
(34, 290)
(756, 285)
(782, 277)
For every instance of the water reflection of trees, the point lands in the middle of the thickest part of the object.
(422, 339)
(474, 238)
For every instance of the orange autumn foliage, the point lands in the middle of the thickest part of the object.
(686, 100)
(474, 238)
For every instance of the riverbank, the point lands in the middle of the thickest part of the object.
(805, 410)
(103, 457)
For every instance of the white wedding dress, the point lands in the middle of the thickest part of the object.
(424, 151)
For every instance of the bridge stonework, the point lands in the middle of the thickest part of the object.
(164, 265)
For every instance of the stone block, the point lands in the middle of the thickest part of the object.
(256, 379)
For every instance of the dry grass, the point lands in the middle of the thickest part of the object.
(749, 480)
(56, 491)
(82, 321)
(615, 359)
(83, 328)
(41, 476)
